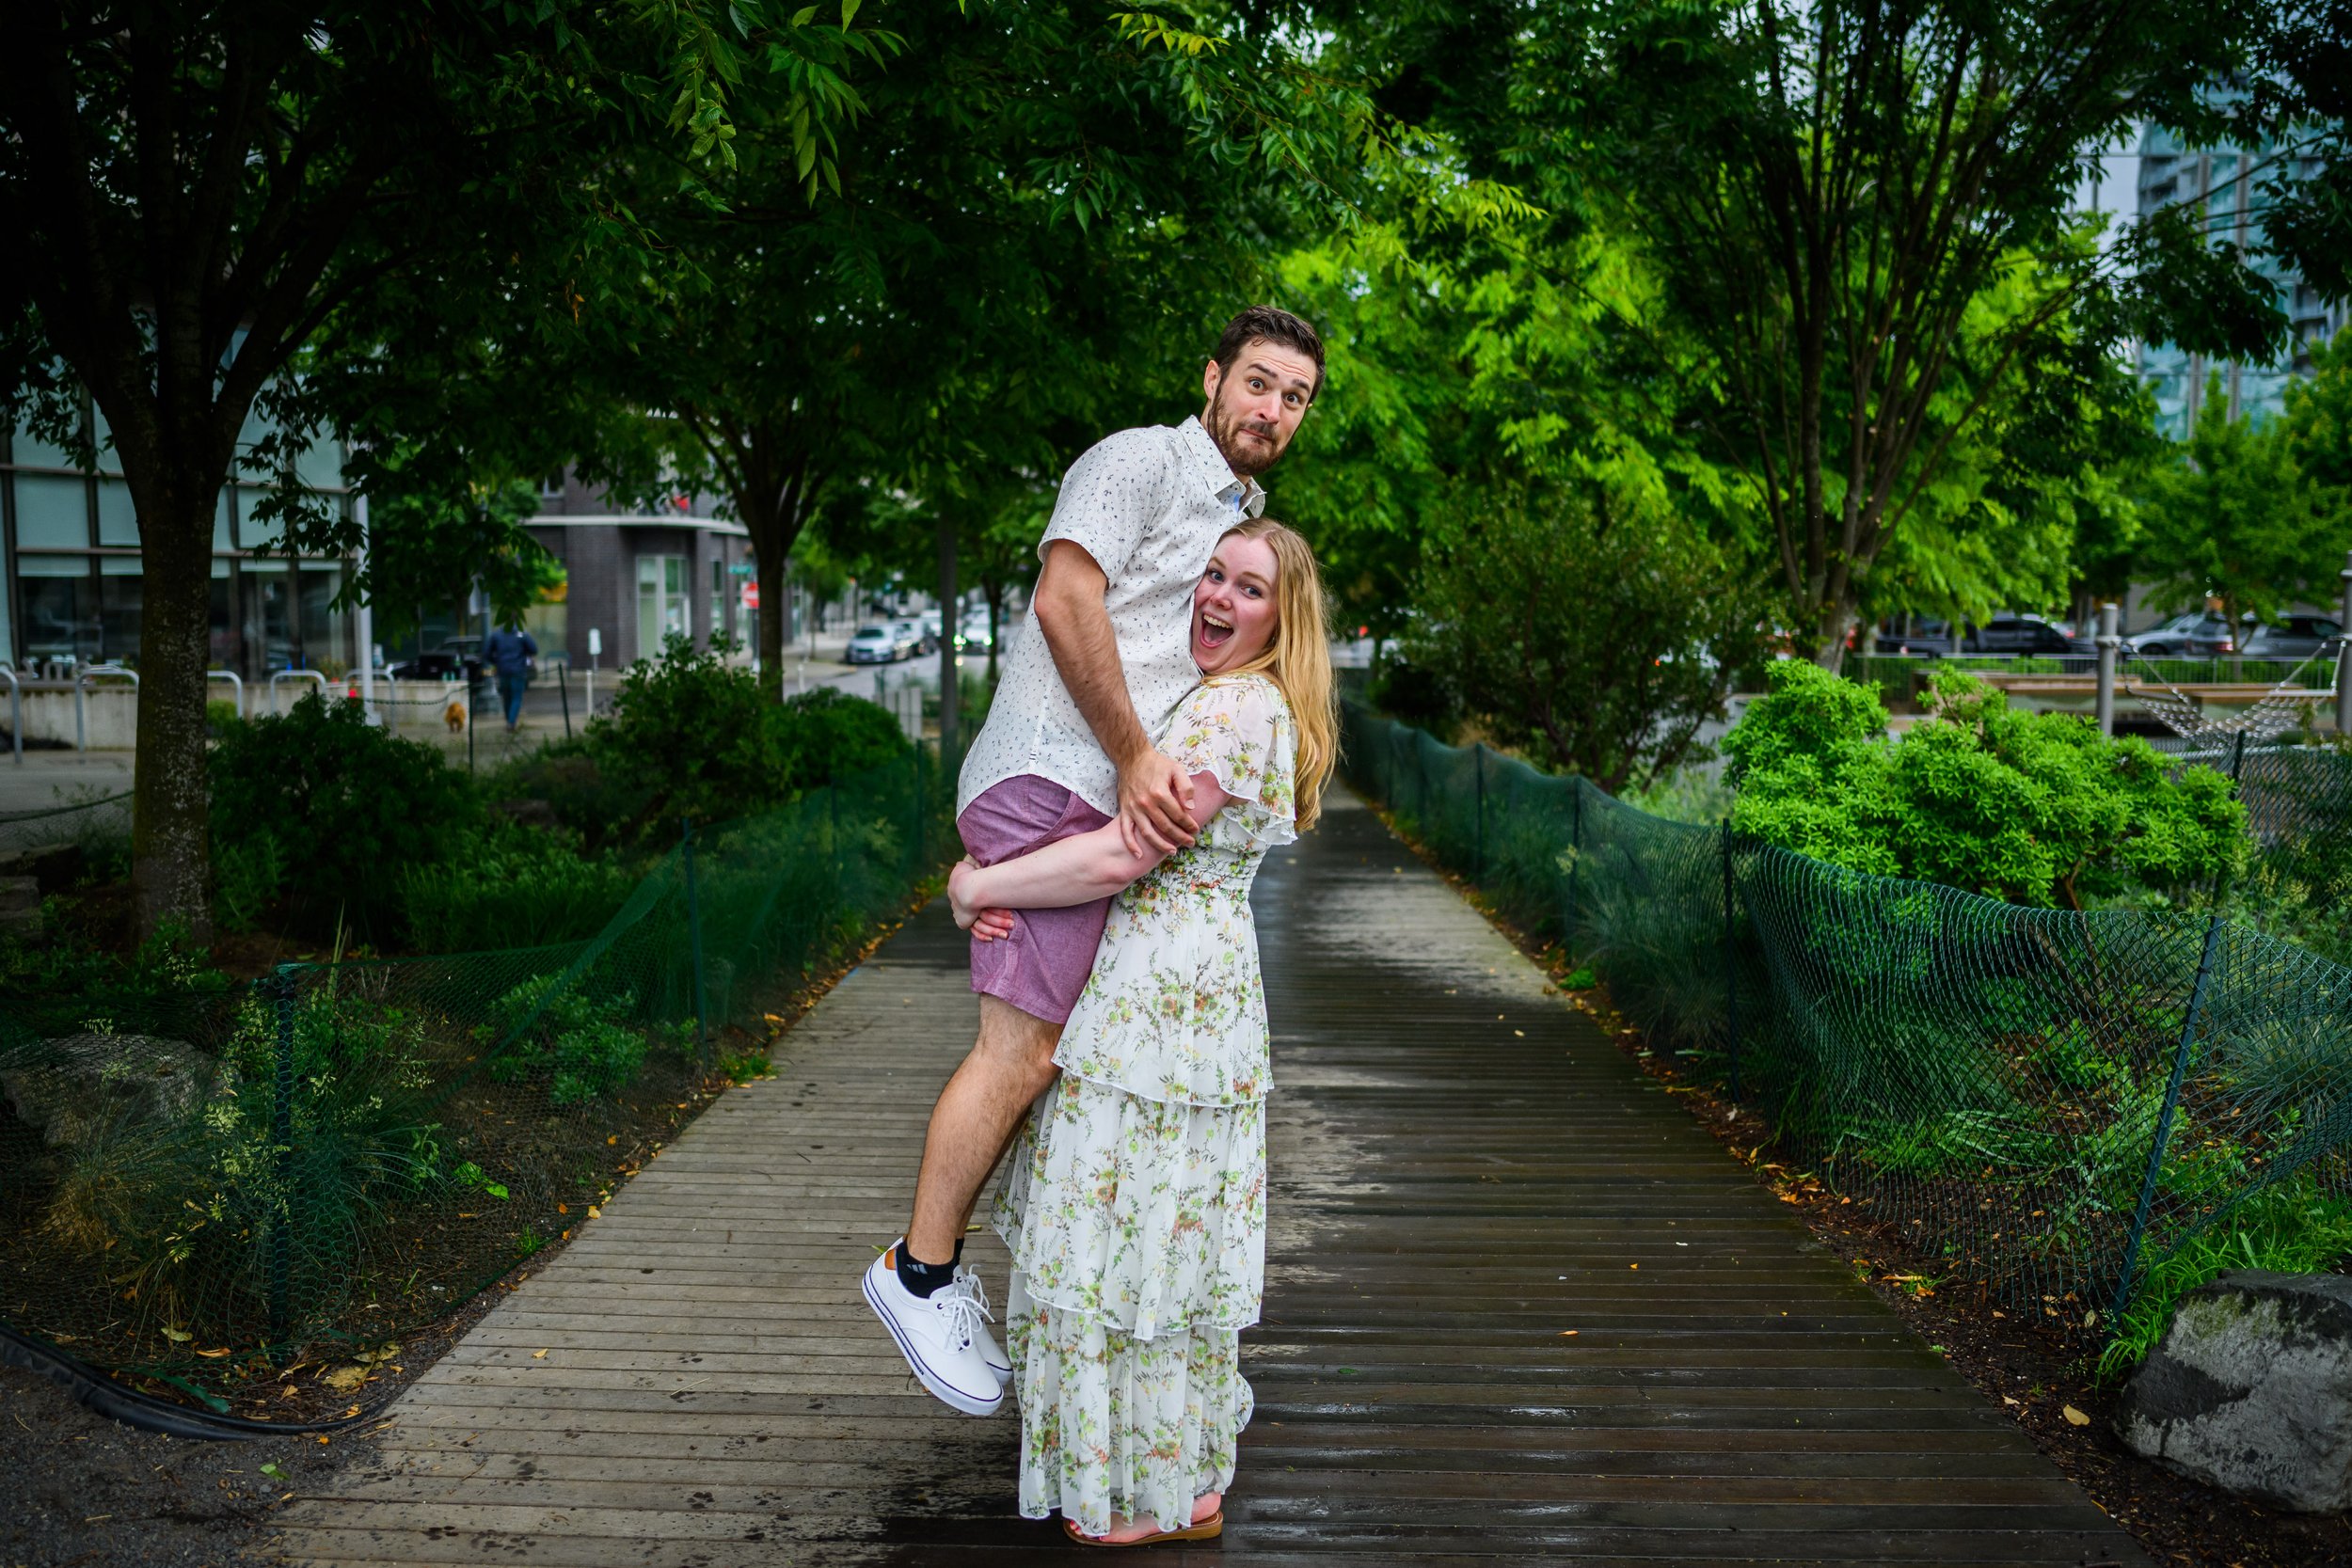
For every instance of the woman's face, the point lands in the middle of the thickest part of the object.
(1232, 607)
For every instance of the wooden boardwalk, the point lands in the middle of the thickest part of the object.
(1465, 1170)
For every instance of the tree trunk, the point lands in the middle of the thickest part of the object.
(170, 835)
(770, 552)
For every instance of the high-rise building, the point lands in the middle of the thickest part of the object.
(2228, 180)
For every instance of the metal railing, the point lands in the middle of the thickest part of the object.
(82, 677)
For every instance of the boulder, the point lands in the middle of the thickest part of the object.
(83, 1084)
(2251, 1390)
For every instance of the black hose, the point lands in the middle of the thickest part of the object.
(88, 1387)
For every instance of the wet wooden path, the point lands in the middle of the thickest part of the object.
(1465, 1171)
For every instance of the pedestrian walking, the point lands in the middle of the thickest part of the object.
(510, 653)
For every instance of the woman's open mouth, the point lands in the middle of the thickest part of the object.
(1212, 631)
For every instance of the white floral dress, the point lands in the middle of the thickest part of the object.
(1134, 1203)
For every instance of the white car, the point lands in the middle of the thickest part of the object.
(878, 644)
(973, 632)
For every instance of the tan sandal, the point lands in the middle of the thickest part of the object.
(1200, 1530)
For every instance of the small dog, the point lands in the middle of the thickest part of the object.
(455, 716)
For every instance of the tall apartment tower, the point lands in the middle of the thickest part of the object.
(2228, 181)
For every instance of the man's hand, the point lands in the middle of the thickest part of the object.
(1155, 805)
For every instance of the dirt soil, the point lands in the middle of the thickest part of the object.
(2038, 1380)
(79, 1490)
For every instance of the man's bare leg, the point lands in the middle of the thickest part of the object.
(973, 1122)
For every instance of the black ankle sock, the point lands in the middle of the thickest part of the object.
(922, 1278)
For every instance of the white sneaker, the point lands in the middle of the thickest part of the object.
(938, 1335)
(982, 1341)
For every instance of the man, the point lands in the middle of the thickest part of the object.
(1067, 747)
(509, 652)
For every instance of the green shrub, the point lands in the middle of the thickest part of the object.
(2290, 1227)
(2035, 808)
(691, 735)
(345, 806)
(511, 886)
(586, 1047)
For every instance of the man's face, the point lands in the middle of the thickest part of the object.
(1254, 411)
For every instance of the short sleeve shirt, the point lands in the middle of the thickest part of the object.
(1148, 505)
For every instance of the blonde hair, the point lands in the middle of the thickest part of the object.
(1297, 658)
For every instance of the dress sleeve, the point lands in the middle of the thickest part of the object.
(1110, 496)
(1241, 732)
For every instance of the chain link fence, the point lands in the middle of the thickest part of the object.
(2080, 1114)
(205, 1187)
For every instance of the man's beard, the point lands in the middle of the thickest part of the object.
(1245, 457)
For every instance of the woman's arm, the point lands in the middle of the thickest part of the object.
(1074, 870)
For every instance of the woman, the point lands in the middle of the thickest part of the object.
(1135, 1205)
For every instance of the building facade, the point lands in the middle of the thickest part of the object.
(635, 575)
(71, 591)
(2227, 179)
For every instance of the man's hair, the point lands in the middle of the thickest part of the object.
(1274, 326)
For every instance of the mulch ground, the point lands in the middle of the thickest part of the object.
(2034, 1376)
(78, 1490)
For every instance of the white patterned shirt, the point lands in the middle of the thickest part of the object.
(1148, 505)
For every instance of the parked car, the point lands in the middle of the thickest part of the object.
(2197, 634)
(918, 637)
(1925, 640)
(973, 633)
(880, 643)
(2029, 636)
(458, 658)
(2296, 637)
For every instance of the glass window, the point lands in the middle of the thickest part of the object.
(321, 464)
(221, 536)
(52, 512)
(324, 640)
(110, 460)
(251, 535)
(661, 609)
(118, 519)
(60, 607)
(120, 595)
(32, 451)
(675, 620)
(227, 647)
(269, 621)
(717, 599)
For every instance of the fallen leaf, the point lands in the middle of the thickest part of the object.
(538, 1355)
(2006, 1399)
(178, 1337)
(1570, 1333)
(595, 1212)
(344, 1379)
(214, 1354)
(2074, 1417)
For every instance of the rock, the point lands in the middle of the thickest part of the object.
(54, 866)
(74, 1087)
(2251, 1390)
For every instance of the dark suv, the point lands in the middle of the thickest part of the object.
(2027, 635)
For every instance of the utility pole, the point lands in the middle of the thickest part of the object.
(2110, 651)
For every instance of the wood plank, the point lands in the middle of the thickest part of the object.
(1447, 1197)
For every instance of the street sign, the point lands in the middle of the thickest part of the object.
(751, 594)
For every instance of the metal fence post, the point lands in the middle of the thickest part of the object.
(1478, 760)
(281, 1140)
(2344, 654)
(694, 935)
(1731, 960)
(2110, 645)
(2164, 1120)
(1576, 857)
(563, 694)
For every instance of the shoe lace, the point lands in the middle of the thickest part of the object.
(962, 1305)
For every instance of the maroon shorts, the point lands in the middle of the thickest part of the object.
(1044, 965)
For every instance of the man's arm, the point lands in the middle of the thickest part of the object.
(1155, 795)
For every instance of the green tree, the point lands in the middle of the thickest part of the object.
(1826, 195)
(197, 189)
(2234, 516)
(1593, 628)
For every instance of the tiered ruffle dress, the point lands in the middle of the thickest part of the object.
(1134, 1203)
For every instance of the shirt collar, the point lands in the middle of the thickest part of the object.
(1216, 474)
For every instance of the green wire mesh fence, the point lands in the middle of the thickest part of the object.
(202, 1189)
(2056, 1107)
